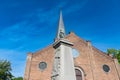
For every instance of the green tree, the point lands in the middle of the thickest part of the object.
(5, 68)
(18, 78)
(115, 53)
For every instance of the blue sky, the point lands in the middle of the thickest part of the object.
(30, 25)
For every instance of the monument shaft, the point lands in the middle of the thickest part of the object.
(63, 68)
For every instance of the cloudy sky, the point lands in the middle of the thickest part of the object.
(30, 25)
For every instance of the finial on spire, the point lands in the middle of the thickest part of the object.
(61, 29)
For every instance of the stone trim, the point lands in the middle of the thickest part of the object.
(82, 71)
(42, 50)
(102, 53)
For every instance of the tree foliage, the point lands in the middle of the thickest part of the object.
(18, 78)
(115, 53)
(5, 70)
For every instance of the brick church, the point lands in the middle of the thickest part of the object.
(71, 58)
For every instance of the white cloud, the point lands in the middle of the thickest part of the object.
(17, 60)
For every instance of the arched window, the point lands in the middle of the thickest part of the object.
(79, 74)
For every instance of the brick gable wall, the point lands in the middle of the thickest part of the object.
(90, 60)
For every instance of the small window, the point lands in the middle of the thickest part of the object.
(106, 68)
(78, 74)
(75, 53)
(42, 65)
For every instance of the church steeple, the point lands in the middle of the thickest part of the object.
(61, 29)
(63, 66)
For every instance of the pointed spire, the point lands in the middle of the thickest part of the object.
(61, 29)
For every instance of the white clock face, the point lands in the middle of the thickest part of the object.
(75, 53)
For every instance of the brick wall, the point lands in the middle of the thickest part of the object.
(90, 60)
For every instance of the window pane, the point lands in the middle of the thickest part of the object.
(106, 68)
(78, 74)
